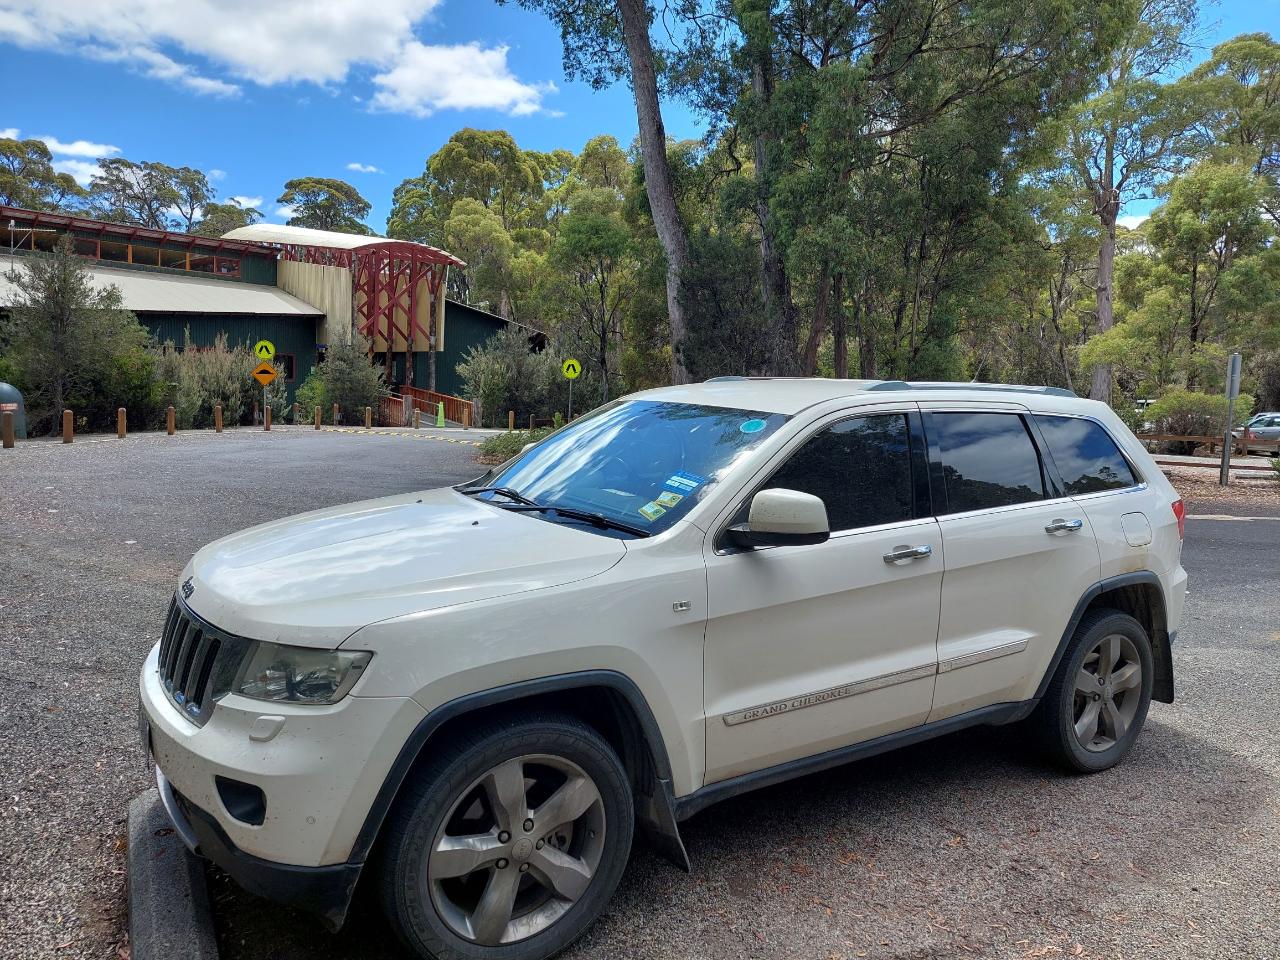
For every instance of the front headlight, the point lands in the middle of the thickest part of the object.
(276, 672)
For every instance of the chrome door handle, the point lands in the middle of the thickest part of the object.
(1063, 526)
(908, 553)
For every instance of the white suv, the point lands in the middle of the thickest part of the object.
(471, 695)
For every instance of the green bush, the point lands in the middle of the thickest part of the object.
(1187, 413)
(195, 379)
(348, 378)
(502, 374)
(503, 446)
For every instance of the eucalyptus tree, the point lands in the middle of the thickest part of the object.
(28, 180)
(325, 203)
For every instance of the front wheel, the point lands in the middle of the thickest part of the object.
(510, 843)
(1095, 706)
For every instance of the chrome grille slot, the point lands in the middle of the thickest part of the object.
(188, 661)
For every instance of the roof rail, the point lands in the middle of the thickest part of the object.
(725, 379)
(887, 385)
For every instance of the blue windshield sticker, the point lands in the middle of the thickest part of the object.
(754, 425)
(685, 482)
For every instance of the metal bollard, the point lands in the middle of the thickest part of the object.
(121, 423)
(168, 421)
(368, 418)
(317, 418)
(6, 429)
(266, 417)
(68, 426)
(217, 418)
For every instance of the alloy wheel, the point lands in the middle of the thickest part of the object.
(1108, 692)
(517, 849)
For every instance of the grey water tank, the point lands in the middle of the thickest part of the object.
(11, 400)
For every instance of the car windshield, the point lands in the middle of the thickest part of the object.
(640, 465)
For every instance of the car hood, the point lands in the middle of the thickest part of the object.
(316, 578)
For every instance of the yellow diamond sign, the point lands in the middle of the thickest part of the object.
(264, 373)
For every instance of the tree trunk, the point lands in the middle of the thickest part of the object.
(657, 173)
(838, 326)
(1108, 209)
(821, 320)
(775, 287)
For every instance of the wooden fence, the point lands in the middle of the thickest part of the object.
(1241, 446)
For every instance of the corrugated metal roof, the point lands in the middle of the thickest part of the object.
(181, 293)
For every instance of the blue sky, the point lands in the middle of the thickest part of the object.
(255, 92)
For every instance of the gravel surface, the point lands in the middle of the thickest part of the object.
(92, 537)
(965, 847)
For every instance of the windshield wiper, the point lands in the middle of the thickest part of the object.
(595, 519)
(507, 492)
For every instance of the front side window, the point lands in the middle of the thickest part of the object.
(860, 468)
(639, 463)
(988, 460)
(1085, 455)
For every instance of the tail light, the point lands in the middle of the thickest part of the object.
(1180, 511)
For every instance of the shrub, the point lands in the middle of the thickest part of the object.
(502, 374)
(350, 379)
(195, 379)
(1191, 414)
(503, 446)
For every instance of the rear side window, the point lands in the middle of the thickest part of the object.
(1085, 455)
(860, 468)
(988, 460)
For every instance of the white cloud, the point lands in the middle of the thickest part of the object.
(364, 168)
(425, 79)
(9, 133)
(247, 201)
(1131, 221)
(286, 211)
(78, 148)
(216, 174)
(82, 170)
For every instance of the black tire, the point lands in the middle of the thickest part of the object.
(1063, 706)
(417, 903)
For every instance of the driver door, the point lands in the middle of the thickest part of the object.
(812, 648)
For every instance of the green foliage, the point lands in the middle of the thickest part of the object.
(195, 379)
(1188, 413)
(311, 394)
(501, 447)
(350, 379)
(503, 375)
(324, 203)
(217, 219)
(148, 194)
(70, 345)
(27, 177)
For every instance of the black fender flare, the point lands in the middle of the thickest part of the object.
(656, 811)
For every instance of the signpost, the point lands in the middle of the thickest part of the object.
(571, 368)
(264, 373)
(1233, 391)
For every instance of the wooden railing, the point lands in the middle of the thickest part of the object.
(1240, 444)
(455, 408)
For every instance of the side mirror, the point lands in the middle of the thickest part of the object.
(782, 518)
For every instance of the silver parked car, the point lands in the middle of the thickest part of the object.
(1262, 426)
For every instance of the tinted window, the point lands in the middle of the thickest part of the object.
(988, 460)
(1085, 455)
(861, 468)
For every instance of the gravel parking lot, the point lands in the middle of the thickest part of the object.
(964, 847)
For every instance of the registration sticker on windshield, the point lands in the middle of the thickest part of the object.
(668, 499)
(651, 511)
(684, 482)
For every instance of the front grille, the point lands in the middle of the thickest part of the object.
(193, 661)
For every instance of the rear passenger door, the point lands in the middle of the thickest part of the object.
(1019, 554)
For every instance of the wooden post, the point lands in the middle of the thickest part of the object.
(368, 418)
(466, 417)
(69, 426)
(266, 416)
(6, 429)
(335, 414)
(217, 418)
(531, 421)
(297, 412)
(121, 422)
(168, 421)
(511, 419)
(417, 419)
(317, 416)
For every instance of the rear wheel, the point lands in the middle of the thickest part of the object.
(510, 844)
(1094, 708)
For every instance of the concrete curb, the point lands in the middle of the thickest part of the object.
(169, 910)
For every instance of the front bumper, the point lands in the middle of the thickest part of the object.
(325, 891)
